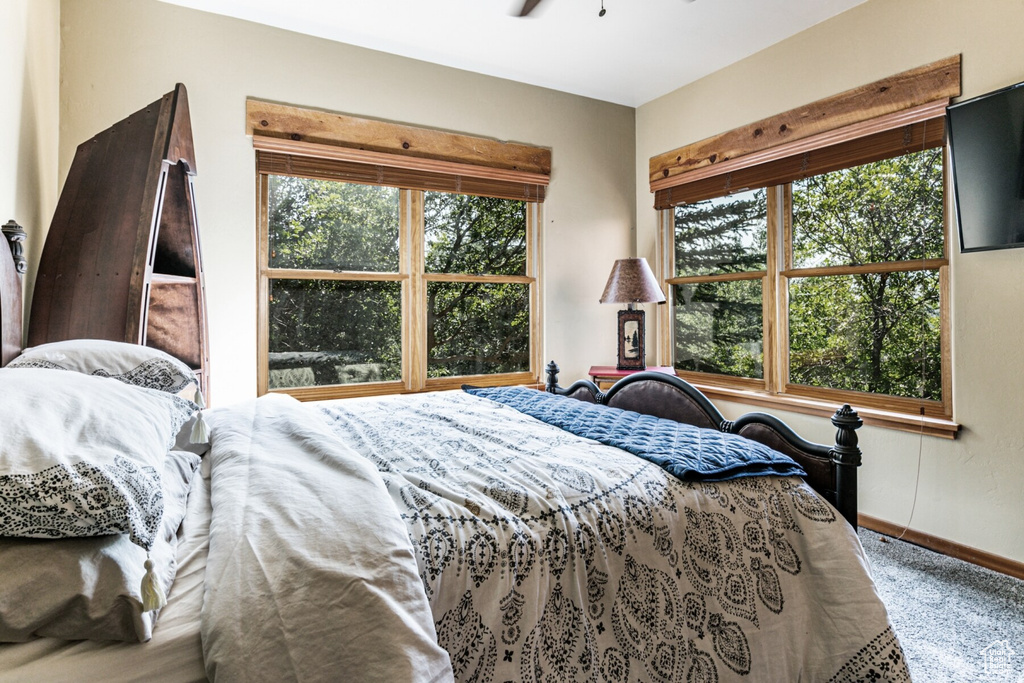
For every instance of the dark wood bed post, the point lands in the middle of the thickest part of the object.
(846, 458)
(15, 235)
(12, 271)
(552, 377)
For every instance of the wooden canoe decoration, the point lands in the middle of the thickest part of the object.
(122, 258)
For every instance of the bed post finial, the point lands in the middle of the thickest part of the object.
(846, 456)
(15, 235)
(552, 382)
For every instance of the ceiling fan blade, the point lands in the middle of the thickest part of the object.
(528, 6)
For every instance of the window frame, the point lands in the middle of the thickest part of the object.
(776, 389)
(766, 276)
(413, 278)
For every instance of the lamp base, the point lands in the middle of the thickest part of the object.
(631, 340)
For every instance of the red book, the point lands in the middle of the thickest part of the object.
(610, 371)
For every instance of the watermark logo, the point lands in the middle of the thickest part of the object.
(997, 659)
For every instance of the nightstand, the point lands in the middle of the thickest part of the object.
(606, 375)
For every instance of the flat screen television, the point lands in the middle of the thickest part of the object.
(986, 144)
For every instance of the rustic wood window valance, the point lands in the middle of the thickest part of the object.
(764, 238)
(297, 141)
(881, 120)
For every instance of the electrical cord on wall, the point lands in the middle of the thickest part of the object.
(917, 479)
(920, 437)
(917, 484)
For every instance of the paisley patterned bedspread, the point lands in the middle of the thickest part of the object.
(549, 557)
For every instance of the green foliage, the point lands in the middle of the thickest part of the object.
(719, 328)
(719, 325)
(477, 328)
(326, 225)
(722, 235)
(331, 326)
(841, 336)
(472, 327)
(351, 331)
(474, 235)
(875, 332)
(889, 210)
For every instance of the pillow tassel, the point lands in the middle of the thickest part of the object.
(153, 597)
(200, 431)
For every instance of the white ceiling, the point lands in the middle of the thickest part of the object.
(638, 51)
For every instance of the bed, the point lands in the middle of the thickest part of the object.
(454, 535)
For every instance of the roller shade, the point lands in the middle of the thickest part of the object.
(895, 142)
(276, 163)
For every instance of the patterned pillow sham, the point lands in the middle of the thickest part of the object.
(89, 588)
(133, 364)
(82, 455)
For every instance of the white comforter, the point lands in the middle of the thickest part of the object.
(311, 575)
(544, 557)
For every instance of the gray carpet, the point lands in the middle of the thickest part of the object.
(958, 622)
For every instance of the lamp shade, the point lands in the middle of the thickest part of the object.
(632, 282)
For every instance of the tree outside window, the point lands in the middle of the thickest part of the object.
(351, 267)
(854, 294)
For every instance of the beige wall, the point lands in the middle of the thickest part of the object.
(29, 106)
(119, 55)
(971, 489)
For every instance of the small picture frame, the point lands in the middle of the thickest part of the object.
(631, 341)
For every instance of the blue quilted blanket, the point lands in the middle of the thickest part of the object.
(688, 452)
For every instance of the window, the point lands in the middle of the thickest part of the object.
(867, 262)
(478, 290)
(334, 283)
(812, 269)
(384, 274)
(856, 297)
(354, 269)
(720, 267)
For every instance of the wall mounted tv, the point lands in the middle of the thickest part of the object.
(986, 144)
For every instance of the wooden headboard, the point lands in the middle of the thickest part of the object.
(12, 268)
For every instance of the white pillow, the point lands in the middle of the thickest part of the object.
(133, 364)
(90, 588)
(82, 455)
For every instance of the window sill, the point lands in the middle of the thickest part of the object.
(501, 380)
(916, 424)
(333, 391)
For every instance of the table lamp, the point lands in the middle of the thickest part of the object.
(631, 282)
